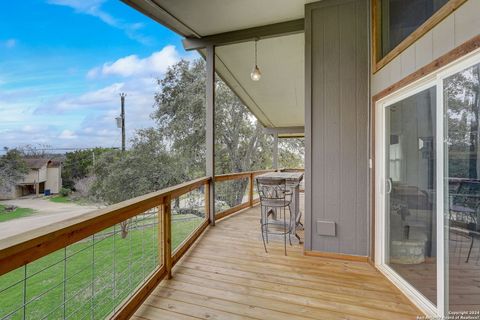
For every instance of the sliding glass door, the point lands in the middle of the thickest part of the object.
(462, 192)
(428, 189)
(410, 213)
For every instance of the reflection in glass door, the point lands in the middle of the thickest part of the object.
(410, 237)
(462, 192)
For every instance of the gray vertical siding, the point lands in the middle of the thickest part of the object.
(337, 124)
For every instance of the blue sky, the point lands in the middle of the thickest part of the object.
(63, 64)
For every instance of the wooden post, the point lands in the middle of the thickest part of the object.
(206, 188)
(250, 191)
(210, 129)
(167, 235)
(161, 222)
(275, 151)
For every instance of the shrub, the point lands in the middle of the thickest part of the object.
(65, 192)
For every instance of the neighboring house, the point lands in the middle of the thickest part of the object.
(44, 174)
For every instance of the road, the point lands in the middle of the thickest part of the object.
(46, 212)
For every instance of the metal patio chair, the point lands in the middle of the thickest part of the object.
(275, 198)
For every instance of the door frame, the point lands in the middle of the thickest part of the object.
(420, 83)
(380, 190)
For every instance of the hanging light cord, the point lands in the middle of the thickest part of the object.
(256, 52)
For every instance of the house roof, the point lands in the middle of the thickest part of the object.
(277, 100)
(54, 163)
(36, 163)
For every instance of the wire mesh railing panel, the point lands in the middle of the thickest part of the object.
(255, 189)
(88, 279)
(187, 214)
(78, 278)
(44, 287)
(12, 294)
(231, 193)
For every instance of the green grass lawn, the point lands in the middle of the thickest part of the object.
(60, 199)
(91, 266)
(17, 213)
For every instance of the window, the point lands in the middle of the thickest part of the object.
(400, 18)
(395, 20)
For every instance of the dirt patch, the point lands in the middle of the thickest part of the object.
(46, 213)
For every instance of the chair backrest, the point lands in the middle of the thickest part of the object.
(271, 188)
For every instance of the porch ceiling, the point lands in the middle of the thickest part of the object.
(277, 100)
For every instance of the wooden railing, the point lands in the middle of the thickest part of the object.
(237, 176)
(24, 249)
(88, 230)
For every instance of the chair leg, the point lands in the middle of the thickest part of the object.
(285, 229)
(470, 250)
(292, 227)
(266, 224)
(263, 225)
(263, 238)
(266, 233)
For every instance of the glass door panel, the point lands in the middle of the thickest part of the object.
(410, 212)
(462, 192)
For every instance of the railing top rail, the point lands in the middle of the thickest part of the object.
(239, 175)
(26, 247)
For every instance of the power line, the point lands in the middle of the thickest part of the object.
(63, 149)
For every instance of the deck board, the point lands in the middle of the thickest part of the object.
(227, 275)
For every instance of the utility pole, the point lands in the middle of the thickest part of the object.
(93, 161)
(122, 118)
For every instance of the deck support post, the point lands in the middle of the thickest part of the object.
(210, 129)
(250, 190)
(275, 151)
(167, 235)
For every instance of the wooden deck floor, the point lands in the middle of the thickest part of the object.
(227, 275)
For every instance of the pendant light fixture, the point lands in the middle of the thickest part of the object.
(256, 74)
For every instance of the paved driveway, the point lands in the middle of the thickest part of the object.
(46, 212)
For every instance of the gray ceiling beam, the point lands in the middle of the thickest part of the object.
(286, 130)
(250, 34)
(152, 9)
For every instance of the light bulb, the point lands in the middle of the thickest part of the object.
(256, 74)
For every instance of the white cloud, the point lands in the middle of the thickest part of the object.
(97, 99)
(10, 43)
(85, 6)
(31, 129)
(94, 8)
(153, 66)
(87, 119)
(67, 135)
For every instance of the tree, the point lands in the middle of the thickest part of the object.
(145, 168)
(241, 143)
(291, 152)
(173, 151)
(35, 151)
(79, 164)
(179, 114)
(142, 169)
(462, 94)
(12, 169)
